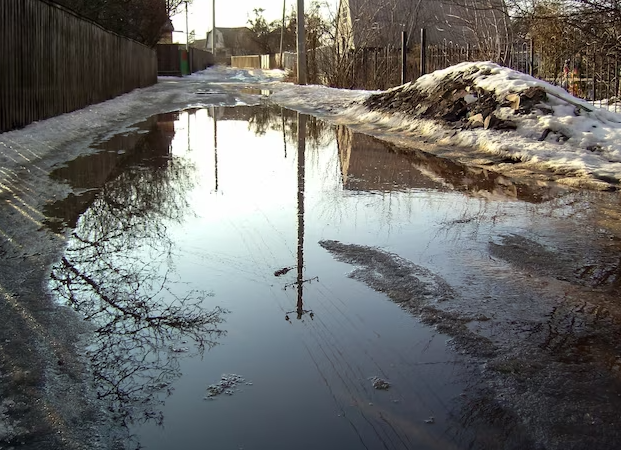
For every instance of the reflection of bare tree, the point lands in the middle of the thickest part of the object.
(116, 273)
(274, 118)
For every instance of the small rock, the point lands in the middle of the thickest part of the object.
(379, 383)
(476, 121)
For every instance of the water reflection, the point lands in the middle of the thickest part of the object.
(369, 164)
(300, 311)
(117, 273)
(226, 222)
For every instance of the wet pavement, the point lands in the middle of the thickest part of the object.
(306, 262)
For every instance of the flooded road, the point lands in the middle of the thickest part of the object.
(286, 253)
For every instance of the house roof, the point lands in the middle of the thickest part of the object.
(241, 40)
(168, 27)
(200, 43)
(378, 23)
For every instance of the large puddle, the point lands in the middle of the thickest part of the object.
(194, 250)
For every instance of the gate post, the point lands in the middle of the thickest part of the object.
(423, 52)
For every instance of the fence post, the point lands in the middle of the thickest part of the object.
(404, 56)
(423, 51)
(531, 57)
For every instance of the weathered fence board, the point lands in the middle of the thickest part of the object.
(53, 61)
(169, 59)
(200, 59)
(246, 61)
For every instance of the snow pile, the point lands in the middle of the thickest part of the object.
(220, 74)
(550, 130)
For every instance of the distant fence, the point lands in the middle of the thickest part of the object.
(254, 61)
(583, 70)
(289, 61)
(200, 59)
(172, 60)
(168, 60)
(53, 61)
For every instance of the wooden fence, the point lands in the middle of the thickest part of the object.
(168, 60)
(200, 59)
(585, 71)
(53, 61)
(254, 61)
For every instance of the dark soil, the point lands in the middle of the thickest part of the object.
(457, 101)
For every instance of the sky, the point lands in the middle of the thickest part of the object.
(230, 13)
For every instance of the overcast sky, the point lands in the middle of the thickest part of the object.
(231, 13)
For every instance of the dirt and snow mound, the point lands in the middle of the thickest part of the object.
(474, 95)
(457, 99)
(551, 129)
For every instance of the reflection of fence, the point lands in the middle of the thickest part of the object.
(54, 61)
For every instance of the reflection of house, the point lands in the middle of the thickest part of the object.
(378, 24)
(368, 164)
(235, 42)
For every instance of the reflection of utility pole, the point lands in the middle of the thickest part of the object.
(300, 311)
(215, 143)
(301, 168)
(284, 133)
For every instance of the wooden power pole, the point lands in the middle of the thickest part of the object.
(301, 44)
(213, 29)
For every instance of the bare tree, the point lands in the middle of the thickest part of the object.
(141, 20)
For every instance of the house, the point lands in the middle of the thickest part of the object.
(379, 23)
(234, 42)
(166, 33)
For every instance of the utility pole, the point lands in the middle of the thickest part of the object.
(301, 44)
(213, 28)
(282, 31)
(187, 29)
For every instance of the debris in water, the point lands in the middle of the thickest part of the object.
(379, 383)
(430, 420)
(282, 271)
(179, 349)
(226, 385)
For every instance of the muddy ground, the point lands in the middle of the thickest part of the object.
(551, 368)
